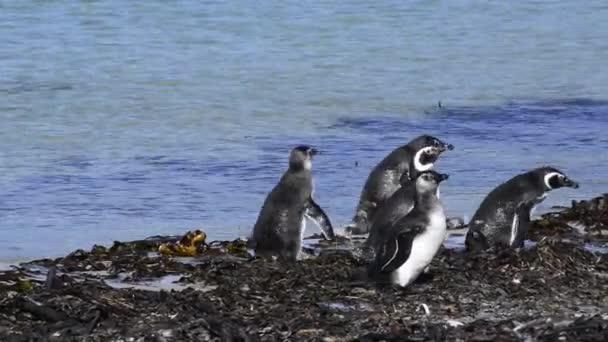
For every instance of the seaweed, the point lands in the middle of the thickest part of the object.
(554, 290)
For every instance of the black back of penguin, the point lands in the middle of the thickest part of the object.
(508, 207)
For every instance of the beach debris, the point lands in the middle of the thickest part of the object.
(191, 244)
(24, 286)
(586, 218)
(426, 309)
(454, 323)
(455, 223)
(554, 290)
(236, 247)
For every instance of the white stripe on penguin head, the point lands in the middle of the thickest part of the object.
(417, 164)
(548, 177)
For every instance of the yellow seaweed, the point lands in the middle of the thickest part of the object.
(187, 246)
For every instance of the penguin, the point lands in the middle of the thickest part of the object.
(394, 208)
(399, 167)
(280, 226)
(503, 217)
(412, 242)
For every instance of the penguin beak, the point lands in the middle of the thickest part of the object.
(446, 147)
(442, 176)
(313, 152)
(570, 183)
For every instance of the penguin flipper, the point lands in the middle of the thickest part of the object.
(514, 229)
(316, 214)
(521, 221)
(396, 250)
(405, 178)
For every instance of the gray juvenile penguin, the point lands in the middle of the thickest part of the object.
(400, 166)
(281, 223)
(503, 217)
(412, 242)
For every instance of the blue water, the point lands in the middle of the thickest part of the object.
(124, 120)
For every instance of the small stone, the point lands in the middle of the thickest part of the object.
(454, 323)
(363, 291)
(455, 223)
(166, 333)
(309, 332)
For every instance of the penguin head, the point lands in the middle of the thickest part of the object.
(301, 157)
(553, 178)
(429, 180)
(427, 150)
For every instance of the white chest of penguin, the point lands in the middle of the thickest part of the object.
(424, 248)
(302, 227)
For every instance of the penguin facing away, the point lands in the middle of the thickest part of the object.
(396, 169)
(280, 226)
(412, 242)
(503, 217)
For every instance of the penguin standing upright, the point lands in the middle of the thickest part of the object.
(503, 217)
(400, 166)
(412, 242)
(396, 207)
(280, 225)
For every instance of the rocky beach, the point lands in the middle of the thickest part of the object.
(555, 289)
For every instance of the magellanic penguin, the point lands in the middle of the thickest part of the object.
(393, 209)
(399, 167)
(412, 242)
(504, 215)
(280, 225)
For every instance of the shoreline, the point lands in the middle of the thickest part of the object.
(553, 289)
(7, 265)
(6, 259)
